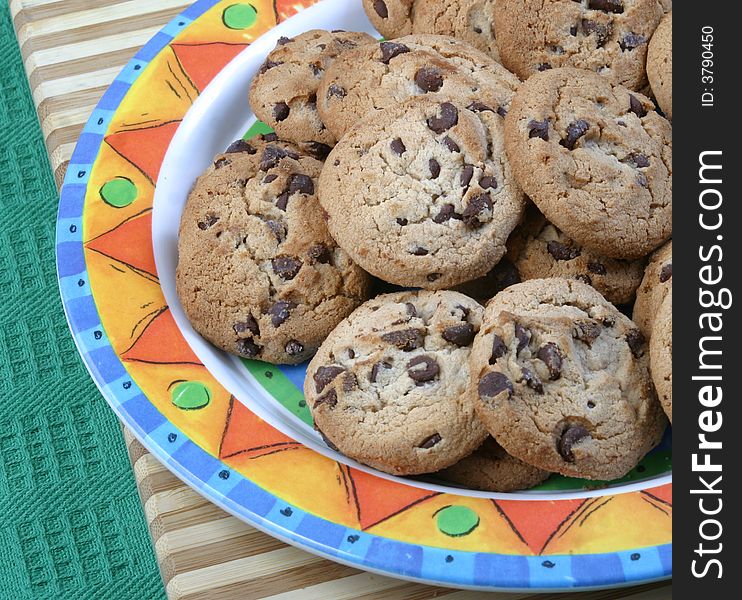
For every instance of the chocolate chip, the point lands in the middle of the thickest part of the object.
(573, 30)
(449, 116)
(523, 335)
(302, 184)
(574, 132)
(434, 277)
(381, 9)
(209, 221)
(280, 312)
(282, 201)
(533, 381)
(631, 41)
(543, 67)
(318, 150)
(269, 137)
(584, 279)
(451, 145)
(270, 178)
(499, 349)
(406, 340)
(423, 369)
(561, 251)
(294, 348)
(410, 308)
(552, 358)
(250, 324)
(539, 129)
(488, 183)
(247, 347)
(398, 147)
(586, 331)
(319, 254)
(435, 168)
(420, 251)
(429, 79)
(331, 400)
(335, 91)
(278, 229)
(433, 440)
(502, 111)
(286, 267)
(402, 222)
(350, 382)
(272, 155)
(475, 209)
(461, 335)
(571, 436)
(636, 106)
(390, 50)
(612, 6)
(268, 65)
(376, 369)
(281, 111)
(602, 32)
(493, 384)
(324, 376)
(636, 341)
(240, 146)
(448, 212)
(638, 160)
(642, 180)
(221, 163)
(479, 107)
(666, 273)
(597, 268)
(466, 176)
(283, 40)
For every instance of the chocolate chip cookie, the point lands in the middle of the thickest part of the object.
(561, 379)
(657, 283)
(659, 64)
(421, 194)
(284, 91)
(491, 469)
(543, 251)
(258, 273)
(389, 387)
(608, 37)
(391, 18)
(660, 351)
(595, 158)
(380, 76)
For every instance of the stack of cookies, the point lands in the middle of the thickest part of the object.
(498, 168)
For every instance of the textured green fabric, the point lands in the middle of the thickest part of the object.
(71, 525)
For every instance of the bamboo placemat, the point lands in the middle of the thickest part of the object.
(72, 50)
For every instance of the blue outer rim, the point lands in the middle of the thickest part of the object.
(240, 496)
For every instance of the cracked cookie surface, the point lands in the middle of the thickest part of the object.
(660, 350)
(258, 273)
(656, 284)
(381, 76)
(421, 195)
(542, 251)
(659, 65)
(491, 469)
(284, 91)
(595, 158)
(608, 37)
(561, 380)
(389, 387)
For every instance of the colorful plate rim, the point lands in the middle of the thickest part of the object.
(243, 498)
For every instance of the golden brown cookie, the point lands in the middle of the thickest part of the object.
(660, 349)
(656, 284)
(659, 65)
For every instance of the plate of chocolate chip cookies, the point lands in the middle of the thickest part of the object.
(391, 280)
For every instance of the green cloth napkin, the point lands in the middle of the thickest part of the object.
(71, 525)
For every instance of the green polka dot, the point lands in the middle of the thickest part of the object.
(119, 192)
(190, 395)
(257, 128)
(240, 16)
(457, 521)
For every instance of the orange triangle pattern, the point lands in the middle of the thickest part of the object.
(202, 62)
(287, 8)
(129, 243)
(247, 434)
(663, 493)
(378, 499)
(161, 343)
(144, 148)
(537, 521)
